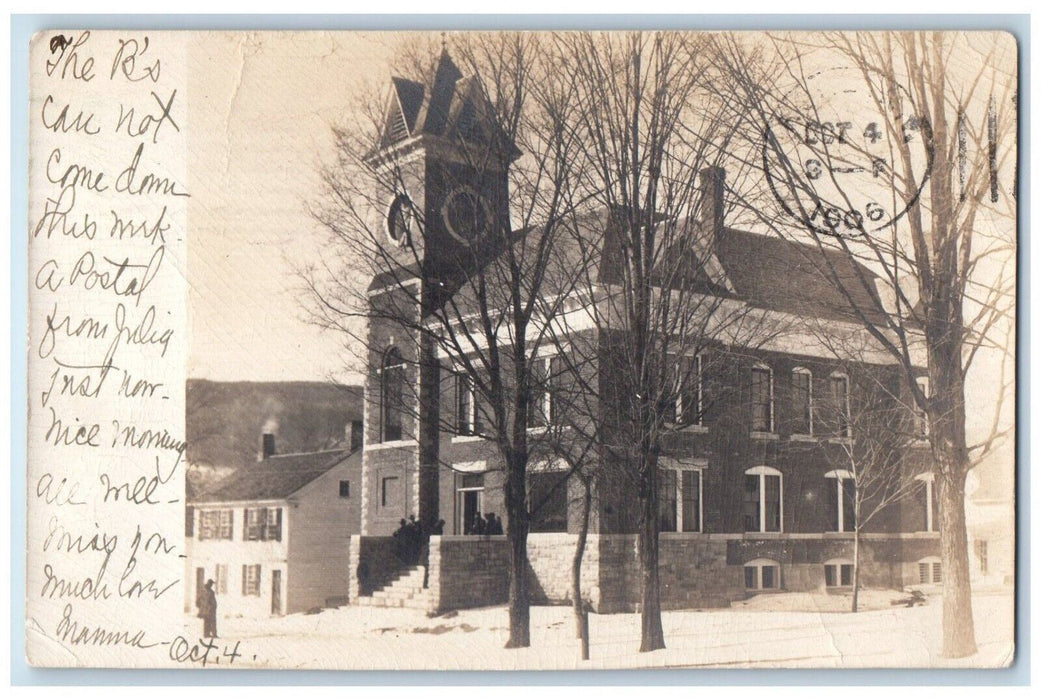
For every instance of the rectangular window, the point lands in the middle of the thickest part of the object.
(750, 505)
(801, 407)
(923, 572)
(464, 404)
(388, 491)
(848, 494)
(251, 579)
(770, 577)
(981, 555)
(221, 578)
(937, 572)
(345, 489)
(762, 400)
(690, 489)
(840, 400)
(254, 519)
(209, 524)
(226, 529)
(838, 575)
(772, 502)
(667, 500)
(751, 577)
(557, 401)
(547, 498)
(537, 405)
(273, 528)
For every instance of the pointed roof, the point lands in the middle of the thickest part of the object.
(448, 105)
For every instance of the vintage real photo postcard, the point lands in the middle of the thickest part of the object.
(536, 350)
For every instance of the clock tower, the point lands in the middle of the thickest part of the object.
(441, 164)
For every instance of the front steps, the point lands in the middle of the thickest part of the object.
(406, 591)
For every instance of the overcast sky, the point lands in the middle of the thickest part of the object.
(260, 110)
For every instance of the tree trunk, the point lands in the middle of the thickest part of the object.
(517, 534)
(856, 568)
(959, 634)
(577, 601)
(652, 636)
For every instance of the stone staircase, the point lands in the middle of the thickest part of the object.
(405, 591)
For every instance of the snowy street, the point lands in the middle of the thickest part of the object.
(779, 630)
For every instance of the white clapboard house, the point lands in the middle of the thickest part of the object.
(275, 535)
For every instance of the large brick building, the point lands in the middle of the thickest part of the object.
(752, 498)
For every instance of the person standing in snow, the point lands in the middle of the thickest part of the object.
(208, 610)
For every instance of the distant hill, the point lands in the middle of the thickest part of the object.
(225, 420)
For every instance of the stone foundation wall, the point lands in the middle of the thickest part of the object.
(467, 572)
(550, 558)
(371, 565)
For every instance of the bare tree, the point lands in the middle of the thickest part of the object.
(904, 168)
(654, 293)
(472, 300)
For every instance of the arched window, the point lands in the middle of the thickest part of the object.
(841, 505)
(802, 401)
(838, 572)
(932, 520)
(930, 570)
(764, 496)
(762, 575)
(392, 399)
(762, 399)
(841, 403)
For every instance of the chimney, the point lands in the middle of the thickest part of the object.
(713, 185)
(267, 446)
(355, 435)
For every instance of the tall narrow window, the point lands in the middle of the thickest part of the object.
(685, 403)
(763, 500)
(556, 400)
(392, 399)
(667, 500)
(762, 399)
(464, 404)
(802, 401)
(932, 520)
(841, 505)
(921, 418)
(840, 401)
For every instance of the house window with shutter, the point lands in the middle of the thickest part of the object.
(251, 579)
(273, 530)
(226, 529)
(221, 578)
(254, 524)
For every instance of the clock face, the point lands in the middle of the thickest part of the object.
(399, 219)
(466, 215)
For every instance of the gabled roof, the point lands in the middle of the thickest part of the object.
(277, 477)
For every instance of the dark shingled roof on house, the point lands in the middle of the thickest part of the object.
(276, 477)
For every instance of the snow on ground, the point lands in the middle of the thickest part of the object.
(779, 630)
